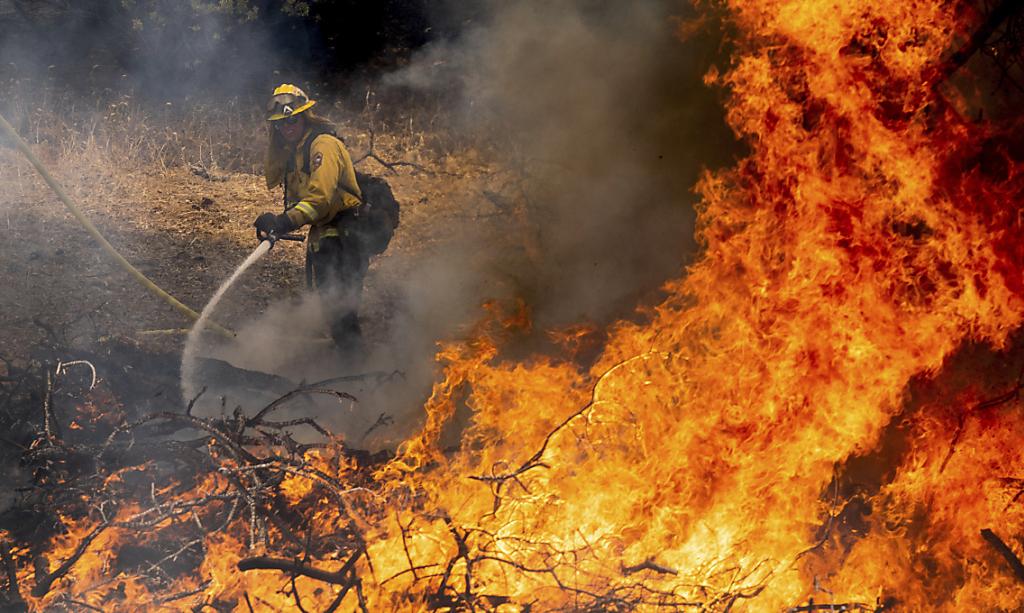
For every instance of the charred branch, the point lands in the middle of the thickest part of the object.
(44, 579)
(342, 576)
(62, 367)
(383, 420)
(1004, 550)
(294, 591)
(535, 461)
(999, 15)
(198, 590)
(79, 604)
(651, 565)
(302, 391)
(379, 377)
(461, 554)
(827, 532)
(13, 595)
(344, 592)
(1011, 395)
(838, 607)
(50, 425)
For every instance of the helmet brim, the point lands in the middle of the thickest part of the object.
(304, 107)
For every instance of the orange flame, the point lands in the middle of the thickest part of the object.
(856, 248)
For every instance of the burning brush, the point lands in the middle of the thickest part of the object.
(823, 414)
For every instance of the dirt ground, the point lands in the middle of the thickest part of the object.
(188, 232)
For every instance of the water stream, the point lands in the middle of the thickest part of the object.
(192, 343)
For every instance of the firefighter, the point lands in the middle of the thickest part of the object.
(320, 190)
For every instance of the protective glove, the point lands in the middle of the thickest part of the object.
(268, 225)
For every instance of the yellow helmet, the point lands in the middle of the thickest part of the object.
(287, 100)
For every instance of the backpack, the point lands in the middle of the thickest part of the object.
(374, 221)
(377, 217)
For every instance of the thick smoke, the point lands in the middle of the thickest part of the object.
(600, 111)
(599, 116)
(596, 111)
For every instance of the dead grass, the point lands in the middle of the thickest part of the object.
(218, 135)
(132, 169)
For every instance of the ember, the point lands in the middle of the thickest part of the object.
(823, 414)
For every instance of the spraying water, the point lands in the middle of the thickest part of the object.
(188, 356)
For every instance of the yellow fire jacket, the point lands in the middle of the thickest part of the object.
(329, 187)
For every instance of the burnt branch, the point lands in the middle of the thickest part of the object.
(649, 564)
(302, 391)
(80, 604)
(185, 594)
(44, 580)
(240, 466)
(534, 461)
(246, 459)
(341, 595)
(383, 420)
(1011, 395)
(1000, 14)
(176, 508)
(828, 526)
(1004, 550)
(50, 425)
(294, 591)
(341, 576)
(11, 572)
(846, 606)
(379, 377)
(302, 421)
(195, 399)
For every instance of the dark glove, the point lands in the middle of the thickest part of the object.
(269, 225)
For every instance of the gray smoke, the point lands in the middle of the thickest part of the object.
(600, 111)
(599, 117)
(596, 113)
(164, 50)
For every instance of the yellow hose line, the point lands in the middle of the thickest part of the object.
(125, 264)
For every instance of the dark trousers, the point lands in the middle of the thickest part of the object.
(337, 270)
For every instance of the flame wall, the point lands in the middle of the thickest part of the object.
(861, 243)
(856, 247)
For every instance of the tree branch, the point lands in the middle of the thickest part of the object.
(1003, 11)
(339, 577)
(1004, 550)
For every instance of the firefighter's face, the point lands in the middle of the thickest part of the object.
(291, 128)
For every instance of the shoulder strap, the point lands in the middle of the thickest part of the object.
(290, 164)
(316, 133)
(308, 147)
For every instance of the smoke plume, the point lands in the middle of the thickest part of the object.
(600, 112)
(599, 116)
(595, 110)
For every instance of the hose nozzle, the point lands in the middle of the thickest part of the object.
(273, 238)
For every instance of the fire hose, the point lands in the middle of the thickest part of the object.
(91, 229)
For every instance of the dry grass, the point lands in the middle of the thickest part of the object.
(133, 132)
(100, 144)
(131, 168)
(216, 134)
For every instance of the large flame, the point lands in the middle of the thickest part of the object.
(696, 462)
